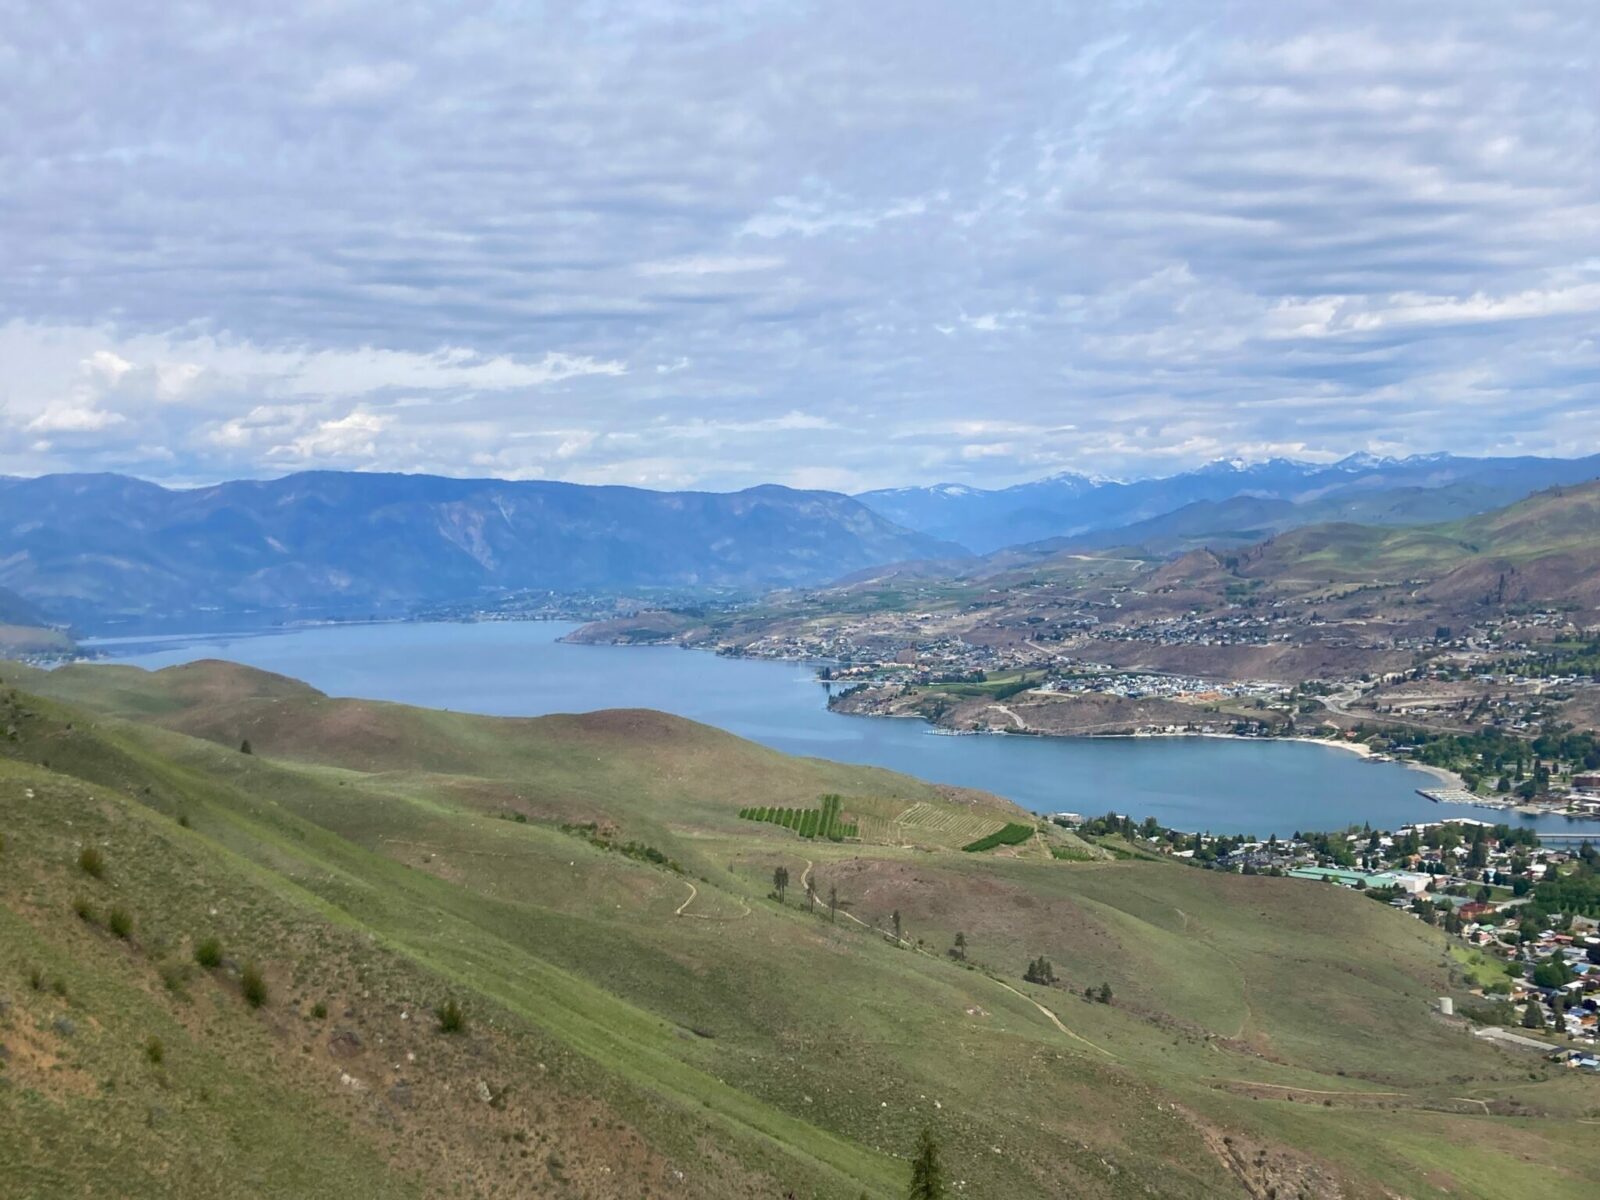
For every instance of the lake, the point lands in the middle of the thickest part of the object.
(521, 669)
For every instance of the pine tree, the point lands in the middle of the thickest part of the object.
(961, 946)
(927, 1173)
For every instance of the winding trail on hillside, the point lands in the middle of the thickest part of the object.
(693, 892)
(1048, 1014)
(1238, 971)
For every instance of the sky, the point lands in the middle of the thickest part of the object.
(827, 245)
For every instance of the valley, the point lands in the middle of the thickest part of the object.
(635, 1026)
(1485, 624)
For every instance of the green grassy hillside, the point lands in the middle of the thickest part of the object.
(642, 1017)
(1562, 521)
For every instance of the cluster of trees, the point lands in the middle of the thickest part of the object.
(1516, 764)
(1040, 971)
(1007, 690)
(1562, 658)
(825, 822)
(1533, 1016)
(1577, 892)
(605, 839)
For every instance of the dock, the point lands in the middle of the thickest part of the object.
(1459, 796)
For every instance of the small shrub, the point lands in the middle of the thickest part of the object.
(451, 1017)
(155, 1051)
(252, 986)
(36, 979)
(120, 922)
(208, 953)
(183, 820)
(319, 1010)
(245, 747)
(92, 863)
(58, 985)
(85, 910)
(174, 976)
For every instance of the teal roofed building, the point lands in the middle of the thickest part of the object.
(1349, 879)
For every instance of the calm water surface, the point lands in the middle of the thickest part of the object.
(520, 669)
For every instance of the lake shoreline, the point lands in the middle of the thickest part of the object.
(521, 669)
(1359, 749)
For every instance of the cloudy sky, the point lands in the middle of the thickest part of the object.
(844, 245)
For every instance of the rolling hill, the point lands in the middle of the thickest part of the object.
(91, 547)
(641, 1015)
(25, 630)
(1542, 549)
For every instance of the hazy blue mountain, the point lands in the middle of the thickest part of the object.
(14, 610)
(1363, 488)
(88, 547)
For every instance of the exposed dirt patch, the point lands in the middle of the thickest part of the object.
(1265, 1171)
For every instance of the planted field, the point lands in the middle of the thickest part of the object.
(879, 831)
(1012, 834)
(825, 822)
(946, 824)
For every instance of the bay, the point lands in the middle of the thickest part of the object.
(1224, 785)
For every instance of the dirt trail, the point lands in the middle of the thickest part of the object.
(1021, 724)
(1049, 1015)
(1289, 1087)
(693, 892)
(1054, 1020)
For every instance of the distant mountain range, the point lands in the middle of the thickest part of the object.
(1226, 503)
(90, 549)
(86, 548)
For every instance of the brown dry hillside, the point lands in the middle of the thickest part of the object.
(1554, 534)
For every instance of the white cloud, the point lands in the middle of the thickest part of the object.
(711, 264)
(361, 82)
(68, 418)
(362, 234)
(352, 436)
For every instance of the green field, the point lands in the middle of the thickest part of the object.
(634, 1030)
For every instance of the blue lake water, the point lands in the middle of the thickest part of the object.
(521, 669)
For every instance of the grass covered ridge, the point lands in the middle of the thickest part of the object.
(613, 1023)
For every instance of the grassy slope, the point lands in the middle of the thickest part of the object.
(1559, 521)
(359, 856)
